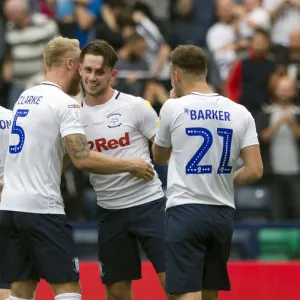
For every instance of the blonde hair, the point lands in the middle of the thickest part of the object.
(57, 50)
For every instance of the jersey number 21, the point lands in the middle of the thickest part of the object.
(193, 166)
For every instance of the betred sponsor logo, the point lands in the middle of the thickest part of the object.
(104, 144)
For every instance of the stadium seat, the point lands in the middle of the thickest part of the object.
(278, 244)
(253, 203)
(240, 245)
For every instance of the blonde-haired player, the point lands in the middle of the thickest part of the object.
(5, 126)
(35, 238)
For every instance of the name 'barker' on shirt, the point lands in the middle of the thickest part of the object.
(208, 114)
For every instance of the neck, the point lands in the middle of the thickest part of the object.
(199, 87)
(101, 99)
(58, 78)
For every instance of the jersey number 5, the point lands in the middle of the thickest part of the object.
(193, 166)
(18, 130)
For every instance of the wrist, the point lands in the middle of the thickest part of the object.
(128, 165)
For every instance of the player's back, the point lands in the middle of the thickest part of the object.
(34, 161)
(5, 126)
(207, 134)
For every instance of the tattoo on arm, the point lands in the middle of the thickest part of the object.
(77, 146)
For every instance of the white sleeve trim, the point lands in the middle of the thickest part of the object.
(72, 130)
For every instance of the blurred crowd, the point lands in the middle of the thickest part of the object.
(253, 48)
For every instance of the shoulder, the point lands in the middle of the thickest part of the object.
(173, 105)
(234, 107)
(132, 101)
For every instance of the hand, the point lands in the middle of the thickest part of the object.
(173, 94)
(142, 169)
(138, 16)
(287, 119)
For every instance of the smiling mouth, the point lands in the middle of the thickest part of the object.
(92, 85)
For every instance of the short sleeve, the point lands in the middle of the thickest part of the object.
(145, 118)
(69, 118)
(250, 137)
(163, 136)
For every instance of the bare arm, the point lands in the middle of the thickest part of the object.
(84, 18)
(7, 70)
(161, 155)
(163, 56)
(252, 170)
(91, 161)
(277, 10)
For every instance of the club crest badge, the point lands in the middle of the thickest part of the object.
(114, 120)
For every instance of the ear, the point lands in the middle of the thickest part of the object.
(80, 69)
(177, 76)
(69, 63)
(114, 74)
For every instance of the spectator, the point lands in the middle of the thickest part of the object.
(254, 17)
(158, 51)
(249, 81)
(184, 28)
(204, 17)
(133, 69)
(289, 63)
(285, 15)
(221, 37)
(77, 18)
(86, 11)
(109, 26)
(279, 131)
(27, 34)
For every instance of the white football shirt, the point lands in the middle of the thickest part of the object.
(5, 126)
(42, 116)
(206, 133)
(122, 128)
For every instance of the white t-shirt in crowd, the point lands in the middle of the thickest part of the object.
(287, 21)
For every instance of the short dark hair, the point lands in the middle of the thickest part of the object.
(191, 59)
(101, 48)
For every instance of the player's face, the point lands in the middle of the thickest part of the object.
(95, 79)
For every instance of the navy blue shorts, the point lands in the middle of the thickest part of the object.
(34, 246)
(198, 240)
(120, 233)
